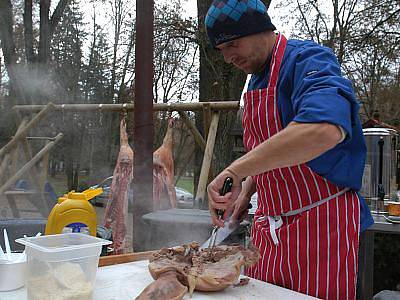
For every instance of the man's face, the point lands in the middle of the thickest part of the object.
(248, 53)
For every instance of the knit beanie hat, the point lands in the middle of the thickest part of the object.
(227, 20)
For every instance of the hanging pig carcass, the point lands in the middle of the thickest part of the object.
(164, 194)
(117, 207)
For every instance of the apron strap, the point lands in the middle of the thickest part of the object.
(315, 204)
(275, 222)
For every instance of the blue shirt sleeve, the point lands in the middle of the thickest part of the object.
(320, 93)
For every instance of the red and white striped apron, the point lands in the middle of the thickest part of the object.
(307, 228)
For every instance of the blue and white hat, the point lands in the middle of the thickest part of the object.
(227, 20)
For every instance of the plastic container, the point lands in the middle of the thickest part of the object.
(12, 273)
(63, 264)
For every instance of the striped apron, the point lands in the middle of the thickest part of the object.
(307, 228)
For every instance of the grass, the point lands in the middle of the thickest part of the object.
(186, 183)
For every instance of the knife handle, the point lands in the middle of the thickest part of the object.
(226, 188)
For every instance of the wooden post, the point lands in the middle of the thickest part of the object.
(196, 134)
(31, 163)
(25, 130)
(206, 118)
(205, 168)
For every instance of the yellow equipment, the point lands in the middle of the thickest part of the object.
(73, 210)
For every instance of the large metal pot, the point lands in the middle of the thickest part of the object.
(379, 179)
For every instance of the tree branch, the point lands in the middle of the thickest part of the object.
(378, 24)
(56, 17)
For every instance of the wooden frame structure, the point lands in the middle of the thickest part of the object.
(211, 113)
(9, 158)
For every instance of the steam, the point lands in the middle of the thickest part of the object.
(37, 83)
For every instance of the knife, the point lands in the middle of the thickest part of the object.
(226, 230)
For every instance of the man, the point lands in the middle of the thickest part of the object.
(305, 155)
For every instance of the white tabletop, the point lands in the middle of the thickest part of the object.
(126, 281)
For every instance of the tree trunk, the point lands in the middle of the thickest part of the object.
(218, 82)
(8, 46)
(28, 32)
(44, 40)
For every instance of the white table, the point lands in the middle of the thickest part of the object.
(126, 281)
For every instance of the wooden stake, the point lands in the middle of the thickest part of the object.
(205, 168)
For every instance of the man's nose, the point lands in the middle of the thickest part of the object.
(228, 57)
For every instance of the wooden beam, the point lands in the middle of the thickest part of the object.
(196, 134)
(14, 154)
(22, 134)
(44, 170)
(191, 106)
(205, 168)
(124, 258)
(31, 163)
(4, 168)
(33, 172)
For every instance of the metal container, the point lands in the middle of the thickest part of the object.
(379, 179)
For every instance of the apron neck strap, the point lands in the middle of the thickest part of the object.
(276, 60)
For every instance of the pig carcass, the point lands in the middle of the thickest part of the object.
(164, 194)
(117, 206)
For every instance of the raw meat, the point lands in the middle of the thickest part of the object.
(202, 270)
(117, 206)
(164, 194)
(172, 288)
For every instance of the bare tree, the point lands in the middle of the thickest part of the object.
(176, 55)
(363, 34)
(47, 27)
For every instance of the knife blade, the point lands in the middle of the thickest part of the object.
(223, 233)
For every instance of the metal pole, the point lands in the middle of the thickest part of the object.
(143, 121)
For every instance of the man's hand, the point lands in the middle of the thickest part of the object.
(240, 207)
(225, 203)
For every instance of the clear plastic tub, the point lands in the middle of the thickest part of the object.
(62, 266)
